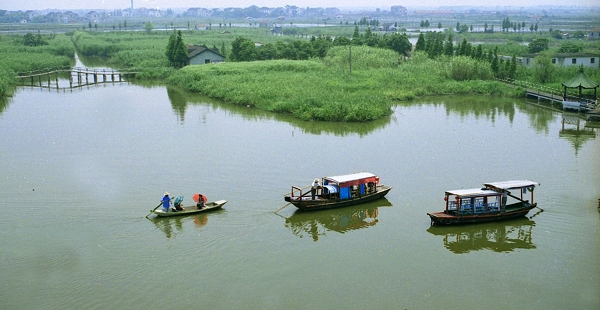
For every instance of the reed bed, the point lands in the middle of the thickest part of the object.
(326, 90)
(15, 57)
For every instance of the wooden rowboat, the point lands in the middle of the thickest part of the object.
(209, 206)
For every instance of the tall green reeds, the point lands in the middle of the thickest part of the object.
(15, 57)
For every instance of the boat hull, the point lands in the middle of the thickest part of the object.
(442, 218)
(307, 204)
(210, 206)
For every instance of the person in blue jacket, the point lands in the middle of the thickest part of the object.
(166, 202)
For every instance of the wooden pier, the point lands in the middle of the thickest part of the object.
(78, 77)
(540, 95)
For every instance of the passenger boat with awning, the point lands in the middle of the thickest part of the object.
(338, 191)
(495, 201)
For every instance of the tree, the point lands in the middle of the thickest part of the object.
(512, 71)
(495, 62)
(538, 45)
(356, 36)
(449, 47)
(30, 40)
(543, 69)
(243, 49)
(399, 43)
(570, 48)
(420, 45)
(341, 41)
(148, 27)
(181, 55)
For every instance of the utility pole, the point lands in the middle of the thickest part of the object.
(350, 48)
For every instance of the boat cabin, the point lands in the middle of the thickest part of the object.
(472, 201)
(349, 185)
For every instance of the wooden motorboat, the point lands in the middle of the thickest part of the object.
(209, 206)
(338, 191)
(490, 203)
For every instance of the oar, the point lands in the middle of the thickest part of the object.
(160, 204)
(287, 204)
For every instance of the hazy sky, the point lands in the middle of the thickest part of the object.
(14, 5)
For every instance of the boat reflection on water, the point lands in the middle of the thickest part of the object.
(318, 223)
(172, 226)
(505, 236)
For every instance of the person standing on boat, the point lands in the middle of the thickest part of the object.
(166, 202)
(314, 188)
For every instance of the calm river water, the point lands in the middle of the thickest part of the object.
(80, 169)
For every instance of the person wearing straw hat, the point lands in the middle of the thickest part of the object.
(314, 188)
(166, 202)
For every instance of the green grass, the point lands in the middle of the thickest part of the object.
(16, 57)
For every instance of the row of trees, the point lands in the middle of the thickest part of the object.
(243, 49)
(508, 25)
(436, 44)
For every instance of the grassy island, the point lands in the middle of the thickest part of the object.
(326, 90)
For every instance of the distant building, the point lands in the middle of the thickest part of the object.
(70, 17)
(398, 10)
(567, 59)
(594, 34)
(93, 16)
(193, 12)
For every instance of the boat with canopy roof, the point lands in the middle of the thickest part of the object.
(338, 191)
(494, 202)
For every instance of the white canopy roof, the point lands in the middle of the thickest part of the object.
(350, 177)
(472, 192)
(512, 184)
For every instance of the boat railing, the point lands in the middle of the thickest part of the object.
(296, 191)
(477, 208)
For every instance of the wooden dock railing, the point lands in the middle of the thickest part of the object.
(542, 92)
(78, 77)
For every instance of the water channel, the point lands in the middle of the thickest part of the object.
(81, 168)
